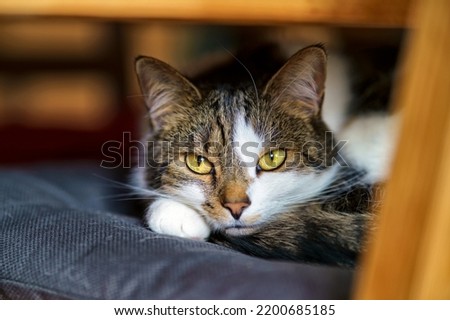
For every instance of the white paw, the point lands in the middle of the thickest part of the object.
(176, 219)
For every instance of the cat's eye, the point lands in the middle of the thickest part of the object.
(272, 160)
(198, 164)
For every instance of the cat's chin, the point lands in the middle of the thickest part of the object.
(240, 230)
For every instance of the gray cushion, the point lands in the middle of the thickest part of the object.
(63, 236)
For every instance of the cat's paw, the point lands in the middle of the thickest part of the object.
(173, 218)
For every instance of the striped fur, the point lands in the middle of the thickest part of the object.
(311, 208)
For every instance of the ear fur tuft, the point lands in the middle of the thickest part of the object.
(300, 83)
(165, 90)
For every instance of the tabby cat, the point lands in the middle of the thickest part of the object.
(248, 163)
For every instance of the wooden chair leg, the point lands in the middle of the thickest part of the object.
(409, 255)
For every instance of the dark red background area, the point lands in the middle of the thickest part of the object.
(26, 145)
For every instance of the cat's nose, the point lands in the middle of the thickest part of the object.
(236, 208)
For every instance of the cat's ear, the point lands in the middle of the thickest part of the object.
(299, 85)
(168, 94)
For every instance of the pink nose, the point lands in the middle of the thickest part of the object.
(236, 208)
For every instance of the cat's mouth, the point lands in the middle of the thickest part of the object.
(240, 230)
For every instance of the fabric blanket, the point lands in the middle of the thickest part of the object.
(64, 234)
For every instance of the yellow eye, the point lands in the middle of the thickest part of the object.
(272, 159)
(198, 164)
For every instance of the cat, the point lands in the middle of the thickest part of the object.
(246, 161)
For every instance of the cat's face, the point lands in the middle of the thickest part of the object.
(238, 158)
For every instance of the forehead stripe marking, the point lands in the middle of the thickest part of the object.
(248, 144)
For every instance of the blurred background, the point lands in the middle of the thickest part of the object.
(67, 84)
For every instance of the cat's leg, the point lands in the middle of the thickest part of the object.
(170, 217)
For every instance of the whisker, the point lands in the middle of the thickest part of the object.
(138, 190)
(112, 198)
(137, 95)
(246, 69)
(343, 182)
